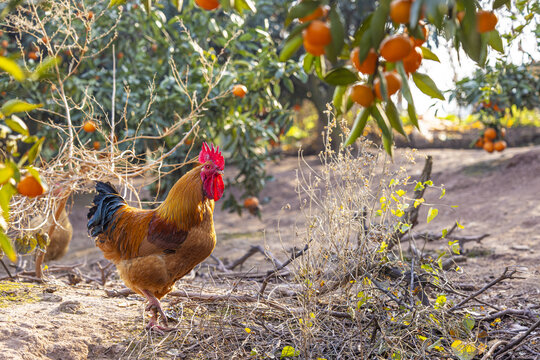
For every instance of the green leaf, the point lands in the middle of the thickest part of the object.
(289, 351)
(444, 233)
(358, 126)
(241, 5)
(340, 76)
(178, 4)
(17, 106)
(320, 67)
(12, 68)
(114, 3)
(43, 68)
(428, 54)
(500, 3)
(337, 100)
(393, 117)
(6, 192)
(147, 5)
(17, 125)
(378, 22)
(411, 110)
(380, 117)
(416, 8)
(468, 323)
(34, 151)
(427, 85)
(308, 63)
(302, 9)
(25, 245)
(406, 90)
(33, 171)
(5, 246)
(494, 40)
(291, 46)
(432, 214)
(387, 143)
(464, 350)
(338, 35)
(6, 173)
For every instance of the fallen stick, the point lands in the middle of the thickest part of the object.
(272, 273)
(252, 251)
(500, 314)
(517, 341)
(505, 275)
(7, 270)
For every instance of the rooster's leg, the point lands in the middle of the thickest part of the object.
(155, 307)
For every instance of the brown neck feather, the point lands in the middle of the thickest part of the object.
(184, 204)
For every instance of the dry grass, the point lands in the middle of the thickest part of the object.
(346, 297)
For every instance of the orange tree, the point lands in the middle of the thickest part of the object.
(244, 126)
(18, 148)
(384, 51)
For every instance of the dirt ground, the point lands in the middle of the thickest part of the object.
(497, 194)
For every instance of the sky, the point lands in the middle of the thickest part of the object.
(443, 73)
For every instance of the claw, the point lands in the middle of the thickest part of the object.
(154, 326)
(154, 306)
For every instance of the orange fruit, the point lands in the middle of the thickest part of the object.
(362, 94)
(370, 62)
(499, 145)
(400, 11)
(317, 33)
(33, 55)
(460, 15)
(239, 90)
(207, 4)
(188, 141)
(489, 147)
(318, 13)
(96, 145)
(120, 55)
(490, 134)
(154, 47)
(485, 21)
(89, 126)
(251, 202)
(479, 143)
(412, 62)
(424, 29)
(90, 15)
(396, 47)
(5, 43)
(316, 50)
(297, 107)
(30, 187)
(393, 84)
(45, 40)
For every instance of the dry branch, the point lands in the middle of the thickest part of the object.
(512, 344)
(411, 213)
(507, 274)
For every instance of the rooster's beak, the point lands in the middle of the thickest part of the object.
(220, 172)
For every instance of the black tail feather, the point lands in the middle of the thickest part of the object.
(106, 203)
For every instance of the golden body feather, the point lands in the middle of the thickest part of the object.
(152, 249)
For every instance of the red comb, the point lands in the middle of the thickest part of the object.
(208, 152)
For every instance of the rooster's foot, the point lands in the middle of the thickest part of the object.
(154, 326)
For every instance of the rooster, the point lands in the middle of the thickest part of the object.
(152, 249)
